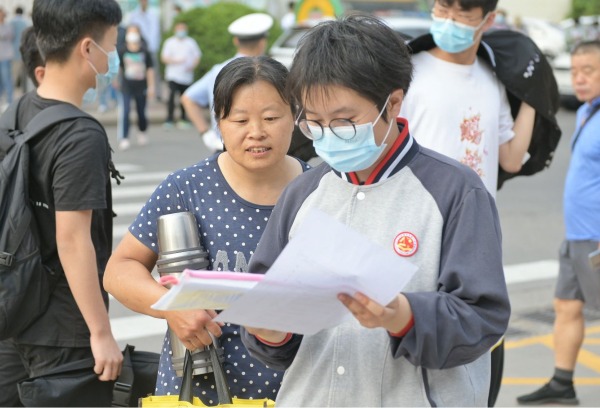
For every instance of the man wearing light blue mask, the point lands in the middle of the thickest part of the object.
(70, 185)
(102, 80)
(474, 104)
(457, 105)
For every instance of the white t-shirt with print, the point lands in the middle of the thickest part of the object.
(460, 111)
(186, 51)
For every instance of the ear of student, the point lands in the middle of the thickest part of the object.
(396, 99)
(84, 46)
(489, 21)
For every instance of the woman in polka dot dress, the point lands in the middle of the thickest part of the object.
(232, 195)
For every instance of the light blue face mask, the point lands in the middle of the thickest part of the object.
(346, 153)
(103, 80)
(181, 33)
(451, 36)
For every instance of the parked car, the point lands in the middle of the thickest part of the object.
(284, 47)
(549, 37)
(561, 66)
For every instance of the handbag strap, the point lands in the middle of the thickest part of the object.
(124, 383)
(586, 120)
(220, 379)
(186, 391)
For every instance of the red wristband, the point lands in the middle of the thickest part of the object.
(287, 338)
(406, 328)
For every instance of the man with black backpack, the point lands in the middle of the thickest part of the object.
(69, 195)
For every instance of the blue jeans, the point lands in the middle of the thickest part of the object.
(6, 81)
(106, 94)
(125, 108)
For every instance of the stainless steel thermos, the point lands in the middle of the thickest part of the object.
(179, 248)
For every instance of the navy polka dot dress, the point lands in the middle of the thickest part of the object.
(230, 228)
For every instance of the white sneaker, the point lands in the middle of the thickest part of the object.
(124, 144)
(212, 140)
(142, 139)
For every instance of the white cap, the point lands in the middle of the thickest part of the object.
(251, 26)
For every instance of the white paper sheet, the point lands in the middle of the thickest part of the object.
(206, 290)
(325, 258)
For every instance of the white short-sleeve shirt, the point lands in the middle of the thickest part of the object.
(186, 51)
(461, 111)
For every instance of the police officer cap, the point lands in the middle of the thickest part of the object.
(251, 26)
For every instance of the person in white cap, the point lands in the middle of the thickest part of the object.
(250, 39)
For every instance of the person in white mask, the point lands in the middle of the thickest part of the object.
(136, 81)
(181, 55)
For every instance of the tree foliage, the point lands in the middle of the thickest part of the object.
(208, 26)
(585, 8)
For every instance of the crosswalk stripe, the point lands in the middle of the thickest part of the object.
(146, 176)
(135, 327)
(531, 271)
(143, 192)
(127, 209)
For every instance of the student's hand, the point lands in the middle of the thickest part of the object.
(108, 358)
(150, 94)
(392, 317)
(192, 327)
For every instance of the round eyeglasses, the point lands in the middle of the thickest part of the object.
(339, 127)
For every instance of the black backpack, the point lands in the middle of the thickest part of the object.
(25, 283)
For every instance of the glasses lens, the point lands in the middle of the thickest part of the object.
(311, 129)
(343, 128)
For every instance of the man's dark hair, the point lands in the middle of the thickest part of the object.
(358, 52)
(486, 5)
(30, 54)
(19, 10)
(246, 71)
(60, 24)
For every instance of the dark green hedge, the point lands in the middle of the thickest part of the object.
(585, 8)
(208, 26)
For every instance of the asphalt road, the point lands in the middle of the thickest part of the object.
(530, 210)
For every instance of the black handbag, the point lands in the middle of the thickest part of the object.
(77, 385)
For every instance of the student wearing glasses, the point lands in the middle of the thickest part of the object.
(431, 345)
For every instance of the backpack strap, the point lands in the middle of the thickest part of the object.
(42, 121)
(585, 120)
(52, 116)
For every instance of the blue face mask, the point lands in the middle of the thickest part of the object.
(102, 80)
(181, 33)
(346, 153)
(451, 36)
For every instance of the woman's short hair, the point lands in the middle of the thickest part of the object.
(246, 71)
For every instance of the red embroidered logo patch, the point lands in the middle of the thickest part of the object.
(406, 244)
